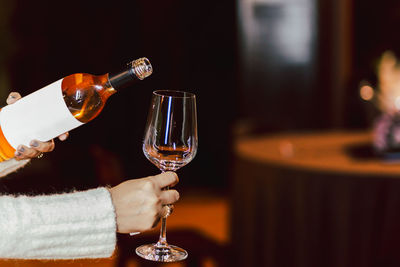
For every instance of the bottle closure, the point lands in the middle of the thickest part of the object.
(141, 67)
(138, 69)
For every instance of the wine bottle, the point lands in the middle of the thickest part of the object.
(62, 106)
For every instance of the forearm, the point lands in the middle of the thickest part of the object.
(65, 226)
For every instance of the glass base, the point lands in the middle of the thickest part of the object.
(161, 254)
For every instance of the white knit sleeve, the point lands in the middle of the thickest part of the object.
(11, 165)
(62, 226)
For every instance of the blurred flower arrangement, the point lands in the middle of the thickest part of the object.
(386, 127)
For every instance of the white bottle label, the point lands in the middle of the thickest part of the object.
(41, 115)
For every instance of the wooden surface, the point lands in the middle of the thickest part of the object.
(346, 152)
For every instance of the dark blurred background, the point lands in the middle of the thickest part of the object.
(192, 47)
(256, 66)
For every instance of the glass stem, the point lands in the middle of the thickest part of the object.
(162, 241)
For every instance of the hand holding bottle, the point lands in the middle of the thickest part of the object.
(62, 106)
(140, 203)
(37, 147)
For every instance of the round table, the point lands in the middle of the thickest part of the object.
(314, 199)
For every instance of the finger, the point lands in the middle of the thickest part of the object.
(13, 97)
(64, 136)
(166, 179)
(169, 196)
(24, 152)
(157, 220)
(42, 146)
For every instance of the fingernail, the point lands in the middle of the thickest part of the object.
(13, 95)
(63, 137)
(21, 149)
(34, 143)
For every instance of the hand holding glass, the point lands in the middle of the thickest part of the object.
(170, 142)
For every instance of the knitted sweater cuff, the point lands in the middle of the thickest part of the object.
(64, 226)
(11, 165)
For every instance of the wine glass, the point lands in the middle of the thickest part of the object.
(170, 142)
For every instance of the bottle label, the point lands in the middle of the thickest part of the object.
(41, 115)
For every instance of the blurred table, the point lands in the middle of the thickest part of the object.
(314, 199)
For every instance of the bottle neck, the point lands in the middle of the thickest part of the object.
(122, 79)
(138, 69)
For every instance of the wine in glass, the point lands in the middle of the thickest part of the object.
(170, 142)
